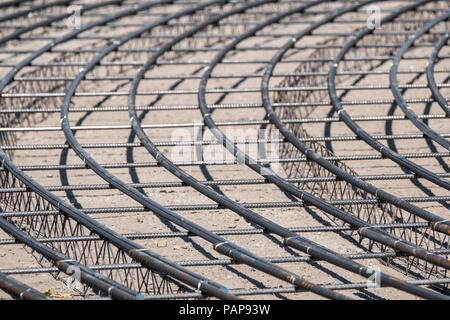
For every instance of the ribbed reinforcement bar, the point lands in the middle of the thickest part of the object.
(430, 74)
(293, 239)
(362, 226)
(396, 87)
(344, 116)
(70, 266)
(443, 226)
(19, 290)
(35, 91)
(147, 257)
(221, 245)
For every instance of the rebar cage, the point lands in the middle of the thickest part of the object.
(224, 149)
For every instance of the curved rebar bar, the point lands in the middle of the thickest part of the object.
(362, 226)
(147, 257)
(25, 12)
(19, 290)
(293, 240)
(412, 116)
(344, 116)
(35, 89)
(439, 223)
(69, 266)
(430, 74)
(64, 264)
(17, 33)
(12, 3)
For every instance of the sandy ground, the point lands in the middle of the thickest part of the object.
(180, 249)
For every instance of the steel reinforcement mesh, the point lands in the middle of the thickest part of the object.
(224, 149)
